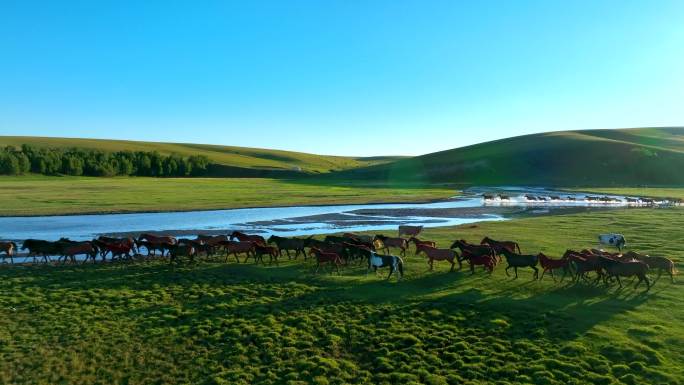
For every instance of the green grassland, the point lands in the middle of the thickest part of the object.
(40, 195)
(228, 323)
(626, 157)
(242, 157)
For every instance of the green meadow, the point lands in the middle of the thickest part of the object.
(227, 323)
(41, 195)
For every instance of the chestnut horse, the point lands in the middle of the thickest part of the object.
(434, 254)
(323, 257)
(550, 265)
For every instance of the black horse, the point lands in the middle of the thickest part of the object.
(392, 261)
(520, 260)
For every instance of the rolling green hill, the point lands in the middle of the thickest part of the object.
(236, 160)
(640, 156)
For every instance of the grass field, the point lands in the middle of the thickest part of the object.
(38, 195)
(243, 157)
(218, 323)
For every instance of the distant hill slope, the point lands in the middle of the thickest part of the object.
(637, 156)
(237, 160)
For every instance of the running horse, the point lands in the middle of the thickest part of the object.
(392, 261)
(434, 254)
(323, 257)
(8, 248)
(474, 250)
(499, 246)
(242, 237)
(388, 242)
(155, 242)
(519, 260)
(418, 242)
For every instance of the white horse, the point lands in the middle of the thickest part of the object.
(616, 240)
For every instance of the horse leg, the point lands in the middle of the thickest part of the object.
(431, 263)
(508, 267)
(452, 264)
(536, 272)
(390, 273)
(515, 268)
(620, 282)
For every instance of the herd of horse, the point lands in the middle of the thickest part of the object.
(587, 198)
(337, 251)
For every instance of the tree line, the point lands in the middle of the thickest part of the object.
(77, 161)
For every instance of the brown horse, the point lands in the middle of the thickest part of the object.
(417, 242)
(656, 263)
(235, 248)
(434, 254)
(388, 242)
(9, 248)
(71, 250)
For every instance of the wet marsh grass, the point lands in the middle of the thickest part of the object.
(217, 323)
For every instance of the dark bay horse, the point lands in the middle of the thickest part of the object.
(39, 247)
(288, 244)
(520, 260)
(499, 245)
(474, 250)
(617, 269)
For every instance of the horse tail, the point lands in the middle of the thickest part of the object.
(401, 267)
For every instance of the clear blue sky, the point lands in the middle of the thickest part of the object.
(338, 77)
